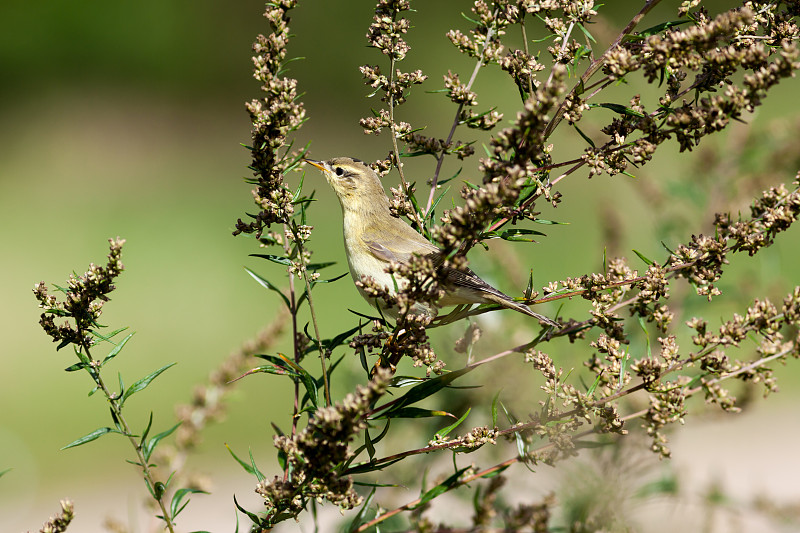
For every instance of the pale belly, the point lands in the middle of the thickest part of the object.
(367, 265)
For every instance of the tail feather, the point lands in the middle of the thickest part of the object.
(508, 303)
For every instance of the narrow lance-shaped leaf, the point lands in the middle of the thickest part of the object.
(441, 488)
(94, 435)
(359, 518)
(150, 445)
(118, 348)
(446, 431)
(427, 388)
(144, 382)
(266, 284)
(250, 468)
(414, 412)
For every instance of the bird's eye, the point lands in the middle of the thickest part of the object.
(339, 171)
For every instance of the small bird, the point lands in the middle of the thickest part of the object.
(374, 238)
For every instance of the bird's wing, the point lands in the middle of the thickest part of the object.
(399, 246)
(381, 252)
(407, 242)
(468, 279)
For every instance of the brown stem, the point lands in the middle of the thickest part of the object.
(440, 159)
(295, 346)
(595, 65)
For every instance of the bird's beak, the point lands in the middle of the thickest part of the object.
(319, 164)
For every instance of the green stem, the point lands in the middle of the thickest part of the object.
(117, 409)
(322, 354)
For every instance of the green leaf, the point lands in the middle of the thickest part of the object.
(543, 221)
(512, 235)
(427, 388)
(643, 258)
(591, 390)
(118, 348)
(108, 337)
(494, 408)
(619, 108)
(175, 506)
(264, 283)
(529, 288)
(277, 370)
(653, 30)
(144, 382)
(147, 428)
(305, 378)
(250, 467)
(76, 366)
(359, 517)
(441, 488)
(585, 137)
(150, 445)
(438, 199)
(94, 435)
(521, 446)
(667, 485)
(258, 473)
(413, 412)
(4, 472)
(252, 516)
(296, 195)
(331, 280)
(515, 235)
(446, 431)
(319, 266)
(586, 32)
(274, 258)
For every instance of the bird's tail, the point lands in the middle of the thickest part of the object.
(508, 303)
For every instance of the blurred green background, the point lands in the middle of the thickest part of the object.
(125, 119)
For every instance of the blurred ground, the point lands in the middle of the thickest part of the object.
(121, 120)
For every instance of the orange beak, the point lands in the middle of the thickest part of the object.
(317, 164)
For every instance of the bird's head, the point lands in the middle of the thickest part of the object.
(357, 185)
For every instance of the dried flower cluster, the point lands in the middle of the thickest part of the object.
(415, 303)
(317, 454)
(386, 34)
(60, 522)
(713, 70)
(274, 117)
(759, 39)
(516, 153)
(84, 299)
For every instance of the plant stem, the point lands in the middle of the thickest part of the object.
(322, 354)
(596, 64)
(454, 125)
(393, 128)
(295, 347)
(113, 400)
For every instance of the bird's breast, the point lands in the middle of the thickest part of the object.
(361, 260)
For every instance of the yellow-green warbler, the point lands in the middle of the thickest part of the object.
(373, 239)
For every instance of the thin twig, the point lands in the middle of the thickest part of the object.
(322, 354)
(295, 346)
(595, 65)
(456, 120)
(393, 129)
